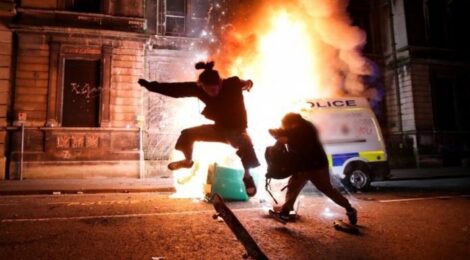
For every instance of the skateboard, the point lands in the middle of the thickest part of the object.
(346, 227)
(252, 249)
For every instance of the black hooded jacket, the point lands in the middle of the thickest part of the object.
(227, 109)
(305, 147)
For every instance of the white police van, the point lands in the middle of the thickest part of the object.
(352, 139)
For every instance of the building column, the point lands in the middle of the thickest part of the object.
(6, 48)
(52, 109)
(107, 52)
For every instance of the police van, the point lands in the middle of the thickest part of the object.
(352, 139)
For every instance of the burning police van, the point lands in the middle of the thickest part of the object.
(352, 139)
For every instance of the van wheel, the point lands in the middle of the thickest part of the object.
(358, 177)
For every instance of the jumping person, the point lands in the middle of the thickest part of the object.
(310, 162)
(225, 106)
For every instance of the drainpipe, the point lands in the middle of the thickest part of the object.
(395, 65)
(141, 154)
(20, 172)
(141, 122)
(12, 88)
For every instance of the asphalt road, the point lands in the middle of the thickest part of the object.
(425, 219)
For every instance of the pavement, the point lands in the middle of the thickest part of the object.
(393, 224)
(403, 219)
(159, 184)
(71, 186)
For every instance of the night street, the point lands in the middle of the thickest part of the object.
(167, 129)
(401, 218)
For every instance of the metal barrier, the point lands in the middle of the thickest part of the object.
(428, 149)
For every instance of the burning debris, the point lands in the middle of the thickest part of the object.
(292, 51)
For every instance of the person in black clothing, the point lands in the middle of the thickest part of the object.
(225, 106)
(310, 162)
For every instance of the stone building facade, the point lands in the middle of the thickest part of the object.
(422, 50)
(69, 98)
(73, 99)
(173, 47)
(70, 105)
(7, 12)
(431, 71)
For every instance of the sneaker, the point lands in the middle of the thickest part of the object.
(250, 186)
(280, 217)
(352, 216)
(180, 164)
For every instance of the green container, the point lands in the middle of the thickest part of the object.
(228, 183)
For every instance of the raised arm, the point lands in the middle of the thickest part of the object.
(175, 90)
(246, 84)
(239, 83)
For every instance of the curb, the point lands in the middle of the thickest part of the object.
(59, 191)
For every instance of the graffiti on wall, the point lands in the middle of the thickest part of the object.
(85, 90)
(77, 141)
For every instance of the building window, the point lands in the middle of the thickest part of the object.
(458, 23)
(450, 102)
(186, 17)
(443, 105)
(175, 17)
(199, 16)
(81, 93)
(83, 6)
(415, 22)
(438, 22)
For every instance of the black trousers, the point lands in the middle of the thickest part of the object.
(321, 179)
(238, 138)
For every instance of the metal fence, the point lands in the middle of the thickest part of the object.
(428, 149)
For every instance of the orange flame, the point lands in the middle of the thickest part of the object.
(304, 49)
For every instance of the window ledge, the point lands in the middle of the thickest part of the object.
(91, 15)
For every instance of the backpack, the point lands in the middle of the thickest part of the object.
(279, 161)
(280, 165)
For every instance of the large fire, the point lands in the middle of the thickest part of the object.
(292, 52)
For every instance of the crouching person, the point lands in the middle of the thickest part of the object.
(310, 162)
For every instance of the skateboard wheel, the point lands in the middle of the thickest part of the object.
(215, 216)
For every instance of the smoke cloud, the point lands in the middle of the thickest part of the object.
(334, 44)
